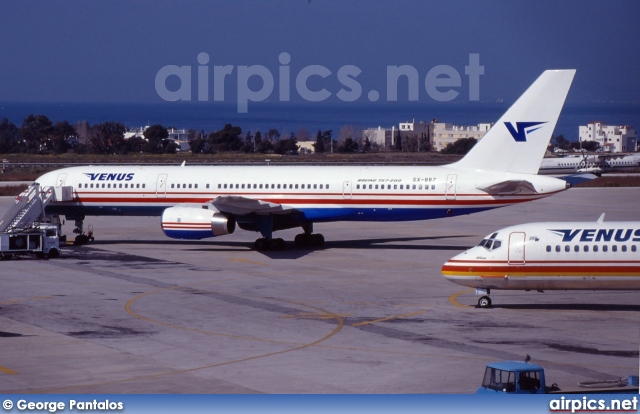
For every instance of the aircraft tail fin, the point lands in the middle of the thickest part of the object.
(518, 141)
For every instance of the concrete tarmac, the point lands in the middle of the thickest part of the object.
(136, 312)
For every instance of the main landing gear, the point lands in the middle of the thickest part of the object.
(308, 239)
(267, 242)
(81, 237)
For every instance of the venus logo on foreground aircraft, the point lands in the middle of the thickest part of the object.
(197, 202)
(591, 256)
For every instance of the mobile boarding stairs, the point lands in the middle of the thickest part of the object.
(29, 207)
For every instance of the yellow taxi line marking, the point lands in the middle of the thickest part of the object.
(7, 370)
(453, 299)
(9, 302)
(239, 260)
(389, 318)
(315, 315)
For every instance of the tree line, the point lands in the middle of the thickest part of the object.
(39, 135)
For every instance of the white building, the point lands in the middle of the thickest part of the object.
(178, 134)
(610, 137)
(138, 132)
(383, 137)
(443, 134)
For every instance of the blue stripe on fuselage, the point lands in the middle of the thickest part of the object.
(310, 214)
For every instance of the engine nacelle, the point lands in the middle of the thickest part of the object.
(195, 223)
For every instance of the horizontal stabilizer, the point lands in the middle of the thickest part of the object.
(242, 206)
(511, 187)
(575, 179)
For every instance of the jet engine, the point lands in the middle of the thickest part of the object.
(194, 223)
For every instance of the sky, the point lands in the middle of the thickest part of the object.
(114, 51)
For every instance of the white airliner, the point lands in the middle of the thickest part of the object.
(551, 256)
(593, 164)
(196, 202)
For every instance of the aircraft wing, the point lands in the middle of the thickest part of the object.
(510, 187)
(242, 206)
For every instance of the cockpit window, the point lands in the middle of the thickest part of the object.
(491, 243)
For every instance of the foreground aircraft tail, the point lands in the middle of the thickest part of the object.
(518, 141)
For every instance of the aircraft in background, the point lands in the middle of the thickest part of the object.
(590, 163)
(197, 202)
(551, 256)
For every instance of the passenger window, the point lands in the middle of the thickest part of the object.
(321, 186)
(567, 248)
(327, 186)
(595, 248)
(144, 185)
(401, 187)
(576, 248)
(296, 186)
(586, 248)
(315, 186)
(624, 248)
(605, 248)
(172, 185)
(242, 185)
(225, 186)
(557, 248)
(633, 248)
(278, 185)
(189, 185)
(195, 186)
(395, 186)
(376, 186)
(433, 186)
(614, 248)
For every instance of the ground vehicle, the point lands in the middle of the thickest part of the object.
(515, 377)
(42, 239)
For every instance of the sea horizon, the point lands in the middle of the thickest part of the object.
(289, 117)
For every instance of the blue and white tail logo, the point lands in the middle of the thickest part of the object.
(519, 133)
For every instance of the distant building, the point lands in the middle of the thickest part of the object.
(443, 134)
(178, 134)
(610, 137)
(382, 137)
(137, 132)
(306, 146)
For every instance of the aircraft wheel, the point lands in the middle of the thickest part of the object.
(301, 240)
(80, 240)
(277, 244)
(484, 302)
(317, 240)
(261, 244)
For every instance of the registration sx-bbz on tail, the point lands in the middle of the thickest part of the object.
(197, 202)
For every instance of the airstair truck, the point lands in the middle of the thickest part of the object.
(25, 228)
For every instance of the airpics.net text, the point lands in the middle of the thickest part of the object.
(256, 83)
